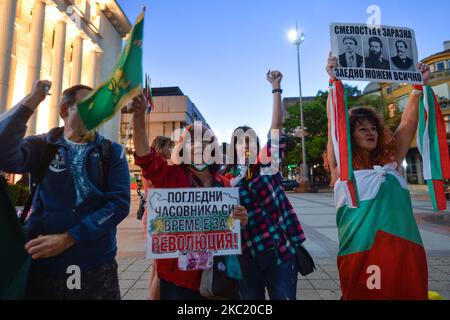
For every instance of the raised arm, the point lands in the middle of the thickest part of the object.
(20, 154)
(154, 166)
(407, 128)
(140, 139)
(274, 78)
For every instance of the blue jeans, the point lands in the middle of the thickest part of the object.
(263, 272)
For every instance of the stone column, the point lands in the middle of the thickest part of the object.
(35, 55)
(92, 68)
(99, 61)
(77, 58)
(7, 17)
(57, 72)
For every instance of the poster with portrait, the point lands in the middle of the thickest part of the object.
(384, 54)
(192, 220)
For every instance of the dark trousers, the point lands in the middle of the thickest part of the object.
(263, 272)
(170, 291)
(101, 283)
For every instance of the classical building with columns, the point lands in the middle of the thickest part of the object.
(66, 41)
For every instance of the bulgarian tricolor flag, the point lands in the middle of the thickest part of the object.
(432, 145)
(122, 85)
(381, 254)
(340, 133)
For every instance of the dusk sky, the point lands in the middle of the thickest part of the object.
(218, 51)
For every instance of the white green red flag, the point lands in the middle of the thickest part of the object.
(379, 236)
(432, 145)
(340, 134)
(381, 255)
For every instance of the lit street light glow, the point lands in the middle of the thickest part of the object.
(296, 37)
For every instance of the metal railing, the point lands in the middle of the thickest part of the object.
(440, 74)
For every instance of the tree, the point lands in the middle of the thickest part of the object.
(379, 104)
(315, 121)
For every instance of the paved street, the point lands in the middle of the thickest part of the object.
(317, 215)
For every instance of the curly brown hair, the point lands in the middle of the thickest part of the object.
(383, 153)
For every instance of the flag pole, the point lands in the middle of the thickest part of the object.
(129, 127)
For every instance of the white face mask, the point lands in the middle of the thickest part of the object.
(200, 167)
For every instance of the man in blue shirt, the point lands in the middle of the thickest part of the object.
(76, 209)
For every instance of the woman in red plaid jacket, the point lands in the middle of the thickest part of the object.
(176, 284)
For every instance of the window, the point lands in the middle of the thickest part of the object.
(401, 103)
(440, 66)
(443, 94)
(389, 89)
(447, 123)
(81, 5)
(94, 16)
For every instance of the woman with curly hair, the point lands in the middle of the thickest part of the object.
(381, 255)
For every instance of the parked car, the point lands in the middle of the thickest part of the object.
(290, 185)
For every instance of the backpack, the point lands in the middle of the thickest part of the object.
(106, 152)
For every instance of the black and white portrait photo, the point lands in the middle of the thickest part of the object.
(401, 55)
(350, 52)
(376, 51)
(384, 54)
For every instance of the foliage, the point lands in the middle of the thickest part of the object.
(18, 193)
(315, 121)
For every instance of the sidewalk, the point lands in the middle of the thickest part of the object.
(419, 192)
(317, 215)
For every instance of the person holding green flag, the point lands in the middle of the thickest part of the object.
(81, 188)
(79, 180)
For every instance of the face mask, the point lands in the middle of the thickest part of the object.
(199, 167)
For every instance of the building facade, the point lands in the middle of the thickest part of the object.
(173, 112)
(66, 41)
(396, 97)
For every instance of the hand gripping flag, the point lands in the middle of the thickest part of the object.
(122, 85)
(340, 133)
(432, 145)
(15, 262)
(148, 93)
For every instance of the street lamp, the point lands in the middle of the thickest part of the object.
(296, 38)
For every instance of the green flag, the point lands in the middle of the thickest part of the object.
(15, 262)
(122, 85)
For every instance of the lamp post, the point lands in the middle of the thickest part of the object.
(296, 38)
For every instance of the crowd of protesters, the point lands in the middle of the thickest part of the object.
(81, 192)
